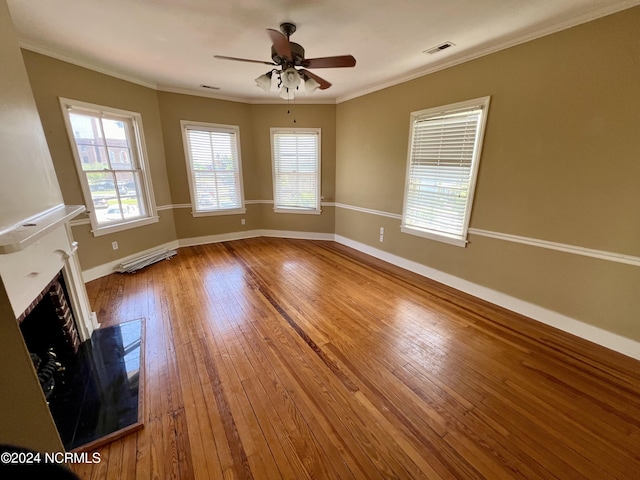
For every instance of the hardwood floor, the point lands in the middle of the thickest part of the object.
(272, 358)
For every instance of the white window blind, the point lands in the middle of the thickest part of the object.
(296, 170)
(442, 165)
(213, 161)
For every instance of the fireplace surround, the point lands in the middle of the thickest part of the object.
(33, 254)
(93, 395)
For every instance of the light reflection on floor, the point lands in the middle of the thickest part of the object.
(430, 345)
(225, 287)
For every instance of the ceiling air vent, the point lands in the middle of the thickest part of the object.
(439, 48)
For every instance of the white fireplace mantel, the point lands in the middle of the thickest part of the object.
(25, 233)
(33, 252)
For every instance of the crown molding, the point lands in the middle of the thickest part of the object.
(84, 63)
(473, 54)
(201, 93)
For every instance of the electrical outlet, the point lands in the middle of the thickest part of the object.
(242, 222)
(381, 238)
(114, 245)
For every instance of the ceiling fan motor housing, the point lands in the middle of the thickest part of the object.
(297, 52)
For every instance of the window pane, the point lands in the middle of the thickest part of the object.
(113, 204)
(112, 214)
(124, 203)
(101, 186)
(87, 133)
(118, 143)
(130, 194)
(86, 129)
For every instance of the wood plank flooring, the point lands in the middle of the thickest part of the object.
(294, 359)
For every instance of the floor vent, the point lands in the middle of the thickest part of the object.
(145, 260)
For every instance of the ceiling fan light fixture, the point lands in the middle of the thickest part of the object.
(287, 93)
(290, 78)
(264, 81)
(310, 85)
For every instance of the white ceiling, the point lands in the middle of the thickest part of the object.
(170, 44)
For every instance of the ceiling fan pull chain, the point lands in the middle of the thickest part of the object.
(290, 111)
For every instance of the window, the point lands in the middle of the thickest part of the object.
(108, 146)
(296, 170)
(212, 153)
(444, 153)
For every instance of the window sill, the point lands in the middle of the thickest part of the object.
(212, 213)
(303, 211)
(458, 242)
(119, 227)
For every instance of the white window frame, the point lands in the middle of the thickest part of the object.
(218, 128)
(316, 209)
(407, 226)
(140, 163)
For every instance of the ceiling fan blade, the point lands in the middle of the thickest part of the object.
(330, 62)
(323, 83)
(280, 43)
(222, 57)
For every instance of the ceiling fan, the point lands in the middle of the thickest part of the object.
(289, 56)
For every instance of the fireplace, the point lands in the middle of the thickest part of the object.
(90, 377)
(91, 387)
(49, 330)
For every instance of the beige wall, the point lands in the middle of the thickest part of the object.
(28, 186)
(264, 117)
(29, 183)
(161, 116)
(559, 163)
(97, 251)
(255, 122)
(176, 107)
(51, 79)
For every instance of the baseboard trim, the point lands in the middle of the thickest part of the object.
(599, 336)
(612, 341)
